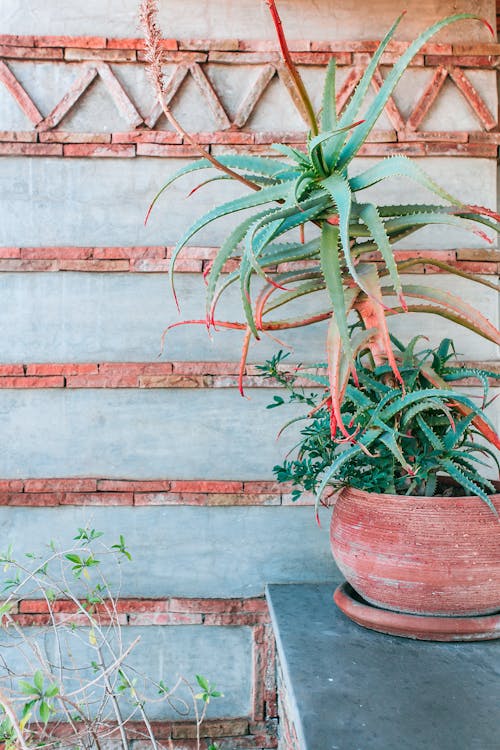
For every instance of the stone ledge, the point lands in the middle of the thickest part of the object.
(350, 688)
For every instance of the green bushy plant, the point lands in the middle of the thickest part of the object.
(405, 436)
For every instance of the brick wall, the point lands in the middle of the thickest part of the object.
(94, 423)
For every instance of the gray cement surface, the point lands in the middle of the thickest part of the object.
(354, 689)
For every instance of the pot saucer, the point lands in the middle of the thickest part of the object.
(421, 627)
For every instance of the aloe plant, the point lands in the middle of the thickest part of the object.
(407, 434)
(315, 188)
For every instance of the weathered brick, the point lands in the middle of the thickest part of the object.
(173, 381)
(147, 136)
(30, 149)
(112, 150)
(97, 498)
(225, 136)
(72, 253)
(6, 370)
(30, 53)
(256, 57)
(462, 61)
(237, 620)
(11, 485)
(165, 618)
(479, 254)
(171, 151)
(177, 57)
(211, 728)
(133, 253)
(17, 40)
(321, 58)
(31, 499)
(107, 55)
(208, 44)
(102, 381)
(484, 48)
(205, 368)
(454, 137)
(91, 265)
(135, 368)
(27, 621)
(17, 264)
(194, 252)
(168, 498)
(182, 265)
(67, 484)
(26, 382)
(257, 487)
(130, 485)
(62, 136)
(20, 136)
(63, 368)
(86, 42)
(264, 45)
(199, 485)
(142, 605)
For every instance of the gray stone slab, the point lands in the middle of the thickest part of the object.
(189, 551)
(221, 654)
(47, 201)
(354, 689)
(246, 18)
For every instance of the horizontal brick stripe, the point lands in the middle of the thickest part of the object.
(442, 146)
(301, 46)
(194, 259)
(79, 491)
(148, 375)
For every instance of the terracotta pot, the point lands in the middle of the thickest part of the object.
(420, 555)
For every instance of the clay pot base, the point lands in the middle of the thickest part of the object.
(421, 627)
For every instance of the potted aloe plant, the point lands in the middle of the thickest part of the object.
(388, 423)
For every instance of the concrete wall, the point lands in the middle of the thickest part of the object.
(84, 288)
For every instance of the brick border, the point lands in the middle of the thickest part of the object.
(197, 259)
(98, 53)
(71, 375)
(89, 491)
(257, 731)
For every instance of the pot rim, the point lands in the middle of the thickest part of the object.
(423, 498)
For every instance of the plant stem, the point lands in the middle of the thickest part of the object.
(9, 712)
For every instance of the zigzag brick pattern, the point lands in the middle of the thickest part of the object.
(193, 60)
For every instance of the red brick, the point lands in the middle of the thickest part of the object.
(464, 61)
(165, 618)
(15, 264)
(482, 267)
(200, 485)
(208, 44)
(133, 485)
(17, 40)
(30, 149)
(181, 604)
(32, 253)
(87, 42)
(31, 499)
(97, 150)
(27, 621)
(20, 136)
(205, 368)
(40, 606)
(168, 498)
(11, 485)
(452, 137)
(30, 53)
(6, 370)
(257, 487)
(483, 48)
(321, 58)
(102, 381)
(172, 151)
(183, 265)
(195, 253)
(62, 136)
(387, 149)
(91, 265)
(142, 605)
(478, 150)
(61, 369)
(239, 620)
(97, 498)
(478, 254)
(147, 136)
(66, 484)
(138, 43)
(212, 728)
(25, 382)
(135, 253)
(225, 136)
(174, 381)
(134, 368)
(107, 55)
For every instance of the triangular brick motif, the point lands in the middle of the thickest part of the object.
(23, 99)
